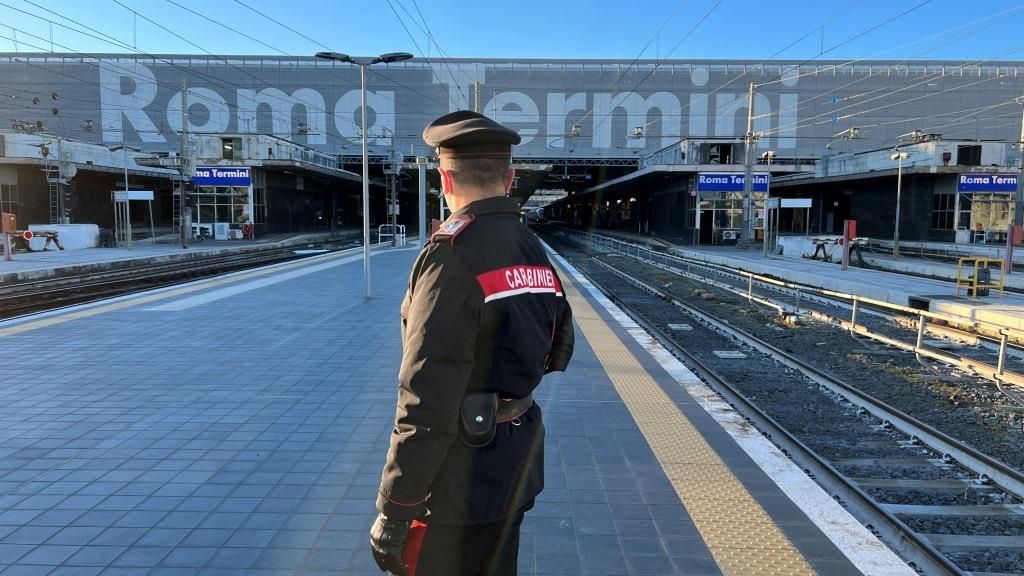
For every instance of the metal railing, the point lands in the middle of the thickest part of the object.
(395, 235)
(689, 268)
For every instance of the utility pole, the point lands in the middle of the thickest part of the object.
(421, 221)
(184, 164)
(1018, 202)
(393, 196)
(747, 216)
(476, 97)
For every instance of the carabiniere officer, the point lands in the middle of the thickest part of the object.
(483, 320)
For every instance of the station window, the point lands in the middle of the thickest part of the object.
(259, 196)
(229, 147)
(943, 208)
(9, 200)
(968, 155)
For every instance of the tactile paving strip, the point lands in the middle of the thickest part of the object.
(737, 531)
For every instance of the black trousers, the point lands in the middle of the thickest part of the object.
(471, 550)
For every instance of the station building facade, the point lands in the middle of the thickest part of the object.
(583, 123)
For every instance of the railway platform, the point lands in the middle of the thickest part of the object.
(46, 264)
(906, 282)
(238, 425)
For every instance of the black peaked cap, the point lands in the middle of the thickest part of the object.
(465, 133)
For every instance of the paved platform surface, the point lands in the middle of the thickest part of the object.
(47, 263)
(239, 426)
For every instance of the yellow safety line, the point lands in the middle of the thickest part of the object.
(88, 312)
(740, 535)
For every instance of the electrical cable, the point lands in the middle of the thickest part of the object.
(451, 98)
(655, 67)
(345, 142)
(728, 83)
(781, 75)
(426, 30)
(213, 79)
(851, 39)
(294, 31)
(221, 24)
(798, 125)
(114, 41)
(939, 74)
(636, 59)
(917, 56)
(282, 24)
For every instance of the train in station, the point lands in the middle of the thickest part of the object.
(641, 147)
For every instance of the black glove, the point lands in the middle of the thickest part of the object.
(387, 539)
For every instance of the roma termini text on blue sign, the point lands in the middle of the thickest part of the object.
(987, 183)
(221, 176)
(728, 182)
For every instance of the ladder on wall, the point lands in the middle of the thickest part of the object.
(51, 170)
(176, 210)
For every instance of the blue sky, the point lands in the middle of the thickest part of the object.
(698, 29)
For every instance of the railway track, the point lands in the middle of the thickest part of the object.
(948, 507)
(34, 296)
(977, 350)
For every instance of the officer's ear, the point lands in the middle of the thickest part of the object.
(446, 180)
(509, 177)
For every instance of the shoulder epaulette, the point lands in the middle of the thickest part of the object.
(452, 227)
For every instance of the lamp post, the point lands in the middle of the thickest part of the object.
(899, 157)
(1018, 197)
(765, 248)
(363, 63)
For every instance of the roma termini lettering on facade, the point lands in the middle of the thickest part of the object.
(799, 108)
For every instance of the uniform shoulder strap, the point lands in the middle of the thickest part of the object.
(451, 228)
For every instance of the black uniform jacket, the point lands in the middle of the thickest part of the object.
(484, 312)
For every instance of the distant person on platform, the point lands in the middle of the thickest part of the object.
(483, 320)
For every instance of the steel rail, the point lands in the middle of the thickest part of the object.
(914, 548)
(86, 288)
(999, 472)
(996, 373)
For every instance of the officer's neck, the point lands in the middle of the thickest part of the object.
(461, 199)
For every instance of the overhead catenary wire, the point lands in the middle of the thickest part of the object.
(243, 34)
(331, 65)
(730, 82)
(451, 98)
(805, 103)
(831, 114)
(425, 28)
(212, 79)
(314, 41)
(674, 48)
(115, 42)
(622, 73)
(925, 39)
(345, 142)
(916, 98)
(851, 39)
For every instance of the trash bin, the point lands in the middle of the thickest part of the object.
(984, 278)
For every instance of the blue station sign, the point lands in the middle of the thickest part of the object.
(729, 182)
(221, 176)
(987, 183)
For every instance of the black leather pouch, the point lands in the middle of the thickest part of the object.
(478, 418)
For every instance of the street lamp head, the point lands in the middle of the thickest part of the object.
(337, 56)
(392, 57)
(899, 156)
